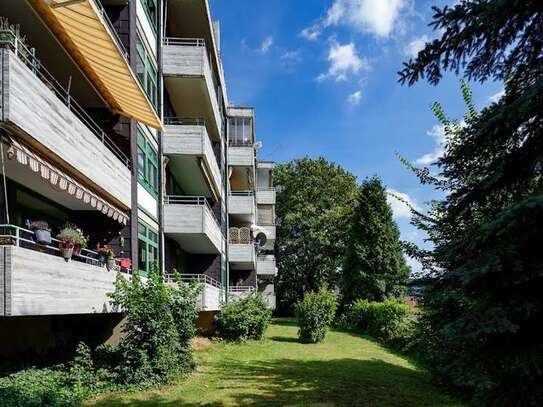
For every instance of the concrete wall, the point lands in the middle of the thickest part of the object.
(31, 109)
(34, 283)
(241, 156)
(241, 204)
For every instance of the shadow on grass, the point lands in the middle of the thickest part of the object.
(342, 382)
(284, 339)
(285, 321)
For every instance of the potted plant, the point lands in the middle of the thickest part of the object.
(73, 233)
(6, 241)
(42, 232)
(106, 256)
(68, 237)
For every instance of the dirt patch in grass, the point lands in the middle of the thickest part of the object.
(200, 342)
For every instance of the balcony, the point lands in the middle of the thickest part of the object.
(265, 266)
(212, 292)
(240, 292)
(265, 196)
(38, 109)
(36, 280)
(190, 222)
(192, 159)
(190, 81)
(242, 204)
(242, 256)
(241, 155)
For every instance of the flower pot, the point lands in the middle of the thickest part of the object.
(67, 253)
(77, 250)
(110, 264)
(102, 258)
(42, 236)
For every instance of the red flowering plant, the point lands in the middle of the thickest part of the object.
(107, 252)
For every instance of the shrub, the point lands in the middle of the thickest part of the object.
(58, 385)
(243, 319)
(315, 313)
(156, 346)
(389, 321)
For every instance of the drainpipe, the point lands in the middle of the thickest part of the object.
(160, 144)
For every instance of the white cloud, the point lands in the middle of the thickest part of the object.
(354, 98)
(266, 44)
(495, 98)
(437, 132)
(344, 60)
(311, 33)
(377, 17)
(400, 208)
(413, 48)
(292, 56)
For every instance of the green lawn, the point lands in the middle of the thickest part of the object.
(346, 369)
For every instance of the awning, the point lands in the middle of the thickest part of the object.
(85, 32)
(60, 180)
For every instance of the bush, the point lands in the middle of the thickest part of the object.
(315, 313)
(389, 321)
(243, 319)
(58, 385)
(159, 326)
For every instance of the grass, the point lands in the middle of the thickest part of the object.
(346, 369)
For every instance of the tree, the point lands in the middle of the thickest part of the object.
(374, 268)
(313, 208)
(483, 309)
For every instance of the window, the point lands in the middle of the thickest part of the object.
(147, 248)
(147, 165)
(240, 130)
(151, 9)
(146, 71)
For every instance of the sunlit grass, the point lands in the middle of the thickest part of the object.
(345, 369)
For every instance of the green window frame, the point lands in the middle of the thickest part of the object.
(151, 9)
(146, 71)
(147, 248)
(147, 164)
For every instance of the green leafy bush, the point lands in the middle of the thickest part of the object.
(58, 385)
(159, 325)
(315, 313)
(389, 321)
(243, 319)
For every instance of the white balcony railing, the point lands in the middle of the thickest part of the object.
(21, 237)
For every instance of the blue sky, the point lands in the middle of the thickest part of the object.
(322, 75)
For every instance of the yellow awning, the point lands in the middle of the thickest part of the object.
(87, 35)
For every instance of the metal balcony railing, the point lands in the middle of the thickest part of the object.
(24, 238)
(184, 121)
(186, 42)
(190, 278)
(9, 40)
(241, 289)
(241, 193)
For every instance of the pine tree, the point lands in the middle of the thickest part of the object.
(483, 310)
(374, 267)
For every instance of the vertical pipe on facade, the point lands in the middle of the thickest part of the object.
(160, 144)
(132, 24)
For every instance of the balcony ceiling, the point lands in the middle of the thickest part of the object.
(87, 36)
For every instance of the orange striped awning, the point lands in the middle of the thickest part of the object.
(60, 180)
(85, 32)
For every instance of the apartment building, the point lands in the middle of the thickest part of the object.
(114, 117)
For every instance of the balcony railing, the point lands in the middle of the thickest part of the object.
(192, 200)
(9, 40)
(24, 238)
(184, 121)
(241, 289)
(241, 193)
(240, 143)
(187, 42)
(193, 278)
